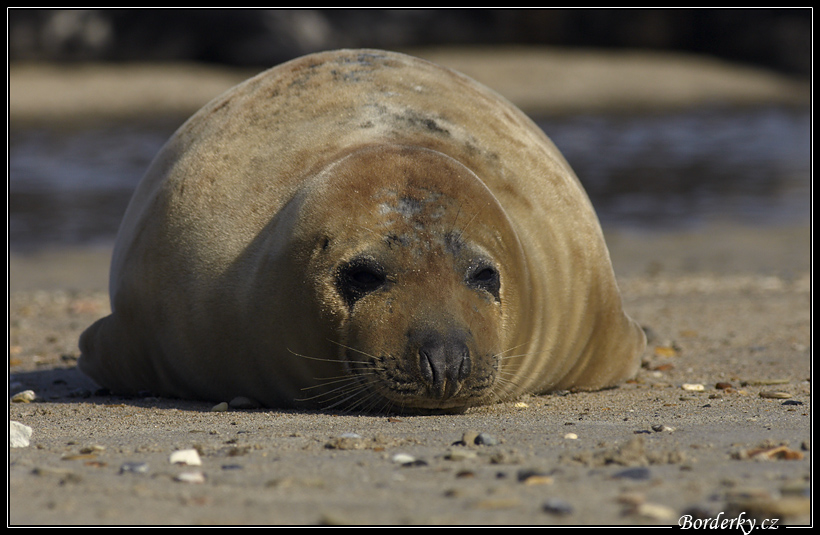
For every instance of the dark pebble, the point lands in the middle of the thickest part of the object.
(557, 506)
(232, 467)
(638, 474)
(134, 468)
(417, 462)
(486, 440)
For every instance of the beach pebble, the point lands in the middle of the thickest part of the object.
(632, 498)
(403, 458)
(346, 441)
(456, 454)
(654, 511)
(640, 473)
(659, 428)
(232, 467)
(220, 407)
(557, 506)
(188, 457)
(772, 394)
(533, 477)
(692, 387)
(665, 351)
(538, 480)
(19, 434)
(468, 438)
(571, 436)
(781, 452)
(485, 439)
(134, 468)
(26, 396)
(764, 382)
(190, 477)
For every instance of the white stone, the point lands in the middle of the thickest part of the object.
(220, 407)
(654, 511)
(191, 477)
(189, 457)
(26, 396)
(19, 435)
(403, 458)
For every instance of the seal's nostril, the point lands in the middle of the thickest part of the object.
(464, 366)
(427, 366)
(444, 363)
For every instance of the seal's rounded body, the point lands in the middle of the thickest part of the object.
(366, 230)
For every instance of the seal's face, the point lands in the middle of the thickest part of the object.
(411, 274)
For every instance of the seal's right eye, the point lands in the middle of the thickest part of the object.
(359, 278)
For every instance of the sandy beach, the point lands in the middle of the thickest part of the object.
(716, 425)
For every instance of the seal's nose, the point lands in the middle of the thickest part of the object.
(444, 363)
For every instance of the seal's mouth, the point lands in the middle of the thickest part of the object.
(439, 378)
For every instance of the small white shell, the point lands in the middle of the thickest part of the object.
(189, 457)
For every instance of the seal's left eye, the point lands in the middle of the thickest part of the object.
(359, 278)
(485, 277)
(365, 279)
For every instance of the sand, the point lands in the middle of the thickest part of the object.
(727, 308)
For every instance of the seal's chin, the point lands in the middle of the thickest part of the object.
(391, 401)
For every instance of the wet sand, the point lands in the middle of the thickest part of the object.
(727, 307)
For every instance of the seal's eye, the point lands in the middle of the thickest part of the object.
(359, 278)
(485, 277)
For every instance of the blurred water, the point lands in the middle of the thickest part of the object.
(750, 166)
(673, 171)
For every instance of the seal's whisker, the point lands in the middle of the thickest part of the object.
(347, 396)
(508, 378)
(510, 349)
(512, 357)
(375, 398)
(329, 381)
(366, 354)
(370, 230)
(361, 372)
(464, 228)
(352, 386)
(320, 395)
(313, 358)
(351, 366)
(455, 220)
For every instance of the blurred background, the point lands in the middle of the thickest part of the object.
(673, 119)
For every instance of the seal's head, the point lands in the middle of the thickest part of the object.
(408, 254)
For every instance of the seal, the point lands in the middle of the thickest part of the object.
(360, 230)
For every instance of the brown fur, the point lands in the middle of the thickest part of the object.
(238, 267)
